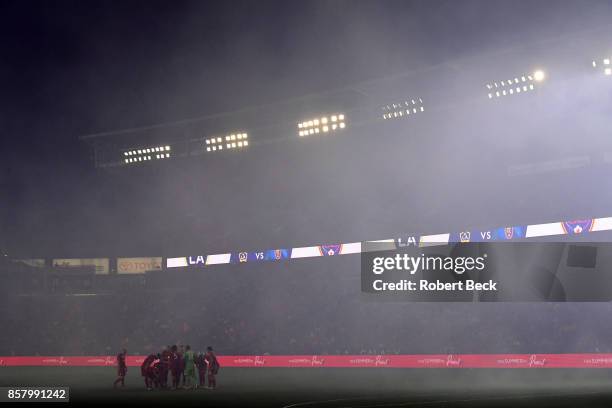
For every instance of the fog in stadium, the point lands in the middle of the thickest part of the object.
(123, 224)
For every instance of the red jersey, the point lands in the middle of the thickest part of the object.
(121, 360)
(213, 363)
(174, 362)
(166, 356)
(121, 366)
(154, 366)
(146, 364)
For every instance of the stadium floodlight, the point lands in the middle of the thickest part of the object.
(323, 124)
(146, 154)
(605, 65)
(403, 109)
(539, 75)
(516, 85)
(231, 141)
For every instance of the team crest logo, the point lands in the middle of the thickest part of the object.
(330, 250)
(577, 226)
(464, 236)
(276, 254)
(242, 257)
(510, 232)
(197, 260)
(405, 241)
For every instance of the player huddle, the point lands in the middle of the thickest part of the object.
(180, 365)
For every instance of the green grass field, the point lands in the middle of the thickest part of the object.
(305, 387)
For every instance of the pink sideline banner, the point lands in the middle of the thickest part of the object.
(592, 360)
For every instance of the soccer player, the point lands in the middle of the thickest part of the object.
(154, 370)
(174, 366)
(201, 365)
(121, 368)
(181, 366)
(145, 370)
(189, 371)
(166, 358)
(213, 367)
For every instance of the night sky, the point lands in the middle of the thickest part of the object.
(70, 68)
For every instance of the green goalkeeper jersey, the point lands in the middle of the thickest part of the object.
(189, 360)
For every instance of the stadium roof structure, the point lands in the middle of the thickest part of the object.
(437, 87)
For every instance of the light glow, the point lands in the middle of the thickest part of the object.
(320, 125)
(217, 143)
